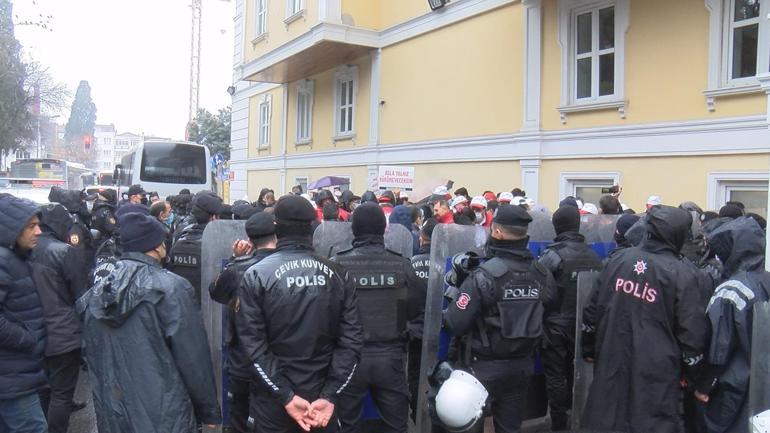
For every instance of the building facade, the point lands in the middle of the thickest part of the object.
(104, 140)
(558, 97)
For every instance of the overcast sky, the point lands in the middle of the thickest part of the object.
(135, 55)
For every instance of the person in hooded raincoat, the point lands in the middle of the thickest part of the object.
(149, 363)
(651, 323)
(724, 383)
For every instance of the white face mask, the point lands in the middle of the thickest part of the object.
(479, 217)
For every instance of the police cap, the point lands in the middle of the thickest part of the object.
(260, 224)
(512, 216)
(209, 203)
(294, 208)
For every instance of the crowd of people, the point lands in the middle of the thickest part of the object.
(114, 287)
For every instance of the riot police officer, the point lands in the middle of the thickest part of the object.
(298, 321)
(565, 259)
(260, 228)
(498, 312)
(185, 257)
(389, 296)
(104, 219)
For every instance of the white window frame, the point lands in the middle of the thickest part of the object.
(568, 10)
(720, 183)
(295, 9)
(298, 180)
(305, 89)
(720, 81)
(260, 20)
(345, 74)
(570, 180)
(264, 116)
(344, 188)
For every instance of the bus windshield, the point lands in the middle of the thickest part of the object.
(173, 163)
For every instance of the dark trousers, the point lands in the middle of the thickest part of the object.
(271, 417)
(384, 376)
(240, 399)
(559, 366)
(506, 381)
(62, 373)
(413, 375)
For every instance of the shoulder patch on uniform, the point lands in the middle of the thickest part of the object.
(495, 267)
(74, 239)
(463, 300)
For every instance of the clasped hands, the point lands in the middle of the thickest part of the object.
(310, 415)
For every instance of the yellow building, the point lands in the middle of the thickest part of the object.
(558, 97)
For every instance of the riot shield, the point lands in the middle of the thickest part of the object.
(332, 237)
(541, 232)
(759, 386)
(584, 371)
(599, 231)
(217, 247)
(447, 240)
(399, 239)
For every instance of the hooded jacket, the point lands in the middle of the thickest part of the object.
(650, 323)
(402, 216)
(741, 246)
(149, 363)
(22, 328)
(60, 278)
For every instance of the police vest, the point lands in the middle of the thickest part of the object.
(382, 294)
(518, 309)
(421, 266)
(186, 259)
(575, 258)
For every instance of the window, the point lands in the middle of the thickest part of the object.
(293, 7)
(743, 30)
(264, 122)
(22, 154)
(345, 89)
(594, 48)
(747, 187)
(305, 111)
(261, 18)
(301, 181)
(592, 38)
(587, 185)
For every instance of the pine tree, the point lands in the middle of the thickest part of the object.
(79, 131)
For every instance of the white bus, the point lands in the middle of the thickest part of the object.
(165, 167)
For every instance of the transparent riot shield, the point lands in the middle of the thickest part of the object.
(217, 247)
(399, 239)
(759, 386)
(332, 237)
(541, 232)
(584, 371)
(447, 240)
(599, 231)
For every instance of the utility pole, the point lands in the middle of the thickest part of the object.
(195, 58)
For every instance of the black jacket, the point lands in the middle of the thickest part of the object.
(104, 218)
(148, 359)
(650, 323)
(740, 244)
(60, 278)
(565, 258)
(421, 263)
(22, 327)
(299, 322)
(370, 265)
(185, 256)
(225, 291)
(477, 303)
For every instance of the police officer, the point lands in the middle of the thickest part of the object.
(650, 322)
(260, 228)
(565, 259)
(185, 259)
(79, 234)
(498, 312)
(389, 296)
(298, 321)
(104, 216)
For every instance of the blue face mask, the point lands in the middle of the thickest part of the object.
(170, 219)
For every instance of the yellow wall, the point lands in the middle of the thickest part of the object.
(358, 175)
(363, 13)
(323, 112)
(278, 33)
(477, 177)
(666, 67)
(275, 124)
(462, 80)
(674, 179)
(397, 11)
(258, 179)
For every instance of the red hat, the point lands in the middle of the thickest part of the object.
(490, 196)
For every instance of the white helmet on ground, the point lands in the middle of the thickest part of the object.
(460, 401)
